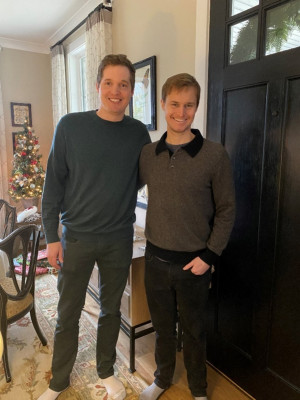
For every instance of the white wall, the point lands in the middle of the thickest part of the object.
(201, 60)
(166, 29)
(173, 30)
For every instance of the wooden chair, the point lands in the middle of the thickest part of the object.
(17, 291)
(9, 215)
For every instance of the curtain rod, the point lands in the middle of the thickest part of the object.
(81, 23)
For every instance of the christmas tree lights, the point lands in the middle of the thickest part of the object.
(28, 176)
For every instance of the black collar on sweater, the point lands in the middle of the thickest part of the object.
(192, 148)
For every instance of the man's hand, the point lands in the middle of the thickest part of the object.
(197, 266)
(55, 254)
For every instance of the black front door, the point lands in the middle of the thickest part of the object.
(254, 110)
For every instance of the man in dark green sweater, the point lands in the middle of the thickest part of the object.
(91, 183)
(189, 219)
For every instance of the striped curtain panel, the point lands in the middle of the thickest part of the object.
(98, 45)
(59, 91)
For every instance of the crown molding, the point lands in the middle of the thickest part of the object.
(25, 46)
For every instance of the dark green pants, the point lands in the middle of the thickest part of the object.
(113, 258)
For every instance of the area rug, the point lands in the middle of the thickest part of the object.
(30, 362)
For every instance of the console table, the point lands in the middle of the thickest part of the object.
(135, 316)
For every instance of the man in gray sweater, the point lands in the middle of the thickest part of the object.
(92, 181)
(190, 216)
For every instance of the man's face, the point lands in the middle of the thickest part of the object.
(115, 92)
(180, 108)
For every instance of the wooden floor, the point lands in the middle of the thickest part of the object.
(219, 387)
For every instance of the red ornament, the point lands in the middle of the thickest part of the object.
(33, 162)
(23, 153)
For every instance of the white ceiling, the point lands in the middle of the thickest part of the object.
(35, 25)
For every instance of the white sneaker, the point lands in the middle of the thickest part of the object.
(114, 388)
(50, 394)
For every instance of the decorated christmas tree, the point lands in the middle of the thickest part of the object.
(27, 175)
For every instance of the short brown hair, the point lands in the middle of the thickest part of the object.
(116, 59)
(179, 82)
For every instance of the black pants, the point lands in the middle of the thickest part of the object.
(170, 290)
(113, 258)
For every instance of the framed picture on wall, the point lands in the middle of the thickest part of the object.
(19, 113)
(143, 103)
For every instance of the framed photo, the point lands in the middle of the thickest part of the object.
(19, 113)
(143, 103)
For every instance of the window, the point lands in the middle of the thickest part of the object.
(276, 23)
(283, 27)
(238, 6)
(243, 39)
(76, 71)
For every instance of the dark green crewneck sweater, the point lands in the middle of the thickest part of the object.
(92, 175)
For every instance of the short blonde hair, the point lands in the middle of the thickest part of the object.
(179, 82)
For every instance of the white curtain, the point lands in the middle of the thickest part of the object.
(59, 92)
(98, 45)
(3, 155)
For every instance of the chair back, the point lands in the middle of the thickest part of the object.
(17, 290)
(8, 216)
(20, 248)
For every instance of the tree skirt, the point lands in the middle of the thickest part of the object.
(30, 362)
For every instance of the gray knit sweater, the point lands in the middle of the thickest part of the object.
(191, 203)
(92, 176)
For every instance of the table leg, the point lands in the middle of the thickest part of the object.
(132, 349)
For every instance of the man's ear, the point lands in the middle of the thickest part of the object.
(162, 103)
(97, 86)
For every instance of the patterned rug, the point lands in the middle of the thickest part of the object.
(30, 362)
